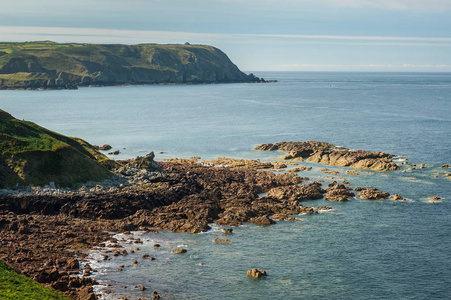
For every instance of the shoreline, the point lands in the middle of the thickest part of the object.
(180, 195)
(37, 230)
(77, 86)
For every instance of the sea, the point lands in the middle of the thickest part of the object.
(362, 249)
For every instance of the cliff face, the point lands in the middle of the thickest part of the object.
(33, 155)
(53, 65)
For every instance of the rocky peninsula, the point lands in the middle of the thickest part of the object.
(50, 65)
(326, 153)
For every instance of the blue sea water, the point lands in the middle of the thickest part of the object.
(360, 250)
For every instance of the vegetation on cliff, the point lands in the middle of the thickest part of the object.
(33, 155)
(33, 65)
(16, 286)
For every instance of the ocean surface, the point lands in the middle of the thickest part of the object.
(361, 249)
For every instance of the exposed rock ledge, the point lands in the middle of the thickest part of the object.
(321, 152)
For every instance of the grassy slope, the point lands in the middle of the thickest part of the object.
(14, 286)
(33, 155)
(86, 63)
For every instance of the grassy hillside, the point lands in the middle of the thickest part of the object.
(33, 155)
(53, 65)
(14, 286)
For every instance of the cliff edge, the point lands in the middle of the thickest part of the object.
(50, 65)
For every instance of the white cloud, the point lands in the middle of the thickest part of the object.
(365, 67)
(412, 5)
(96, 35)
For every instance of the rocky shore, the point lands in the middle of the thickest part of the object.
(44, 230)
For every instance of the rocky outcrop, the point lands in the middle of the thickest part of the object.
(360, 159)
(297, 192)
(295, 149)
(321, 152)
(338, 192)
(373, 194)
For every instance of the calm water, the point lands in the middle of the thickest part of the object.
(360, 250)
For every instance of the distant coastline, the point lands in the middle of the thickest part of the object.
(50, 65)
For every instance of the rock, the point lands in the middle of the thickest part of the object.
(297, 192)
(227, 230)
(105, 147)
(299, 169)
(156, 245)
(256, 274)
(87, 293)
(263, 220)
(445, 166)
(373, 194)
(147, 162)
(179, 250)
(359, 159)
(397, 197)
(338, 192)
(434, 199)
(218, 240)
(352, 173)
(72, 264)
(114, 152)
(358, 188)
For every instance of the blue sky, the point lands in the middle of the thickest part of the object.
(302, 35)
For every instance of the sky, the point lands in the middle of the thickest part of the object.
(257, 35)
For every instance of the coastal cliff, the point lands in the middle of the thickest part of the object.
(33, 155)
(49, 65)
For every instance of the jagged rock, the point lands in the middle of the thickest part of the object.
(147, 162)
(338, 192)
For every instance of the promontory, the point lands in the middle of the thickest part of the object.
(50, 65)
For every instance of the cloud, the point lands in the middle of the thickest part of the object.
(400, 5)
(365, 67)
(96, 35)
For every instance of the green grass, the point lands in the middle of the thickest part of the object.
(14, 286)
(33, 155)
